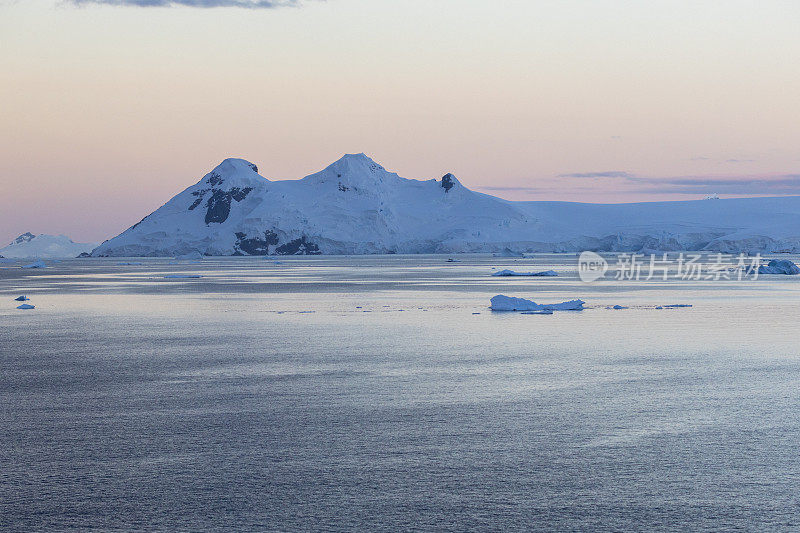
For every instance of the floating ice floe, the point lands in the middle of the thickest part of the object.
(26, 306)
(37, 264)
(546, 273)
(617, 307)
(182, 276)
(507, 252)
(673, 306)
(191, 255)
(21, 299)
(780, 266)
(509, 303)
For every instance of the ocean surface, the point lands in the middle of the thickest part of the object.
(380, 393)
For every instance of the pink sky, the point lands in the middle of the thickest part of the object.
(109, 110)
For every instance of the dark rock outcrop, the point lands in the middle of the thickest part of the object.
(255, 245)
(448, 181)
(299, 246)
(219, 205)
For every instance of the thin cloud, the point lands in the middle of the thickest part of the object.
(782, 184)
(603, 174)
(247, 4)
(777, 185)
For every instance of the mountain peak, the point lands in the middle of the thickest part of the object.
(449, 181)
(356, 162)
(233, 165)
(356, 172)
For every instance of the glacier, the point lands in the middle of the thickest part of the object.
(356, 206)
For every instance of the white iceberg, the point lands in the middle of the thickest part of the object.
(37, 264)
(546, 273)
(26, 306)
(191, 255)
(507, 252)
(780, 266)
(509, 303)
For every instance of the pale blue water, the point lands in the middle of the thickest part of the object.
(260, 397)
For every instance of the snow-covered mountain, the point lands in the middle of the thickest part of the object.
(45, 246)
(355, 206)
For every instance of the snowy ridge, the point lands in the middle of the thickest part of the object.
(45, 246)
(356, 206)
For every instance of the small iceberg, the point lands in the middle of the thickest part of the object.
(37, 264)
(780, 266)
(26, 306)
(191, 255)
(675, 306)
(617, 307)
(509, 303)
(546, 273)
(21, 299)
(508, 252)
(182, 276)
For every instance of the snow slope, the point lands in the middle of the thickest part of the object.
(355, 206)
(45, 246)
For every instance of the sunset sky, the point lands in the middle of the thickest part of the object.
(109, 108)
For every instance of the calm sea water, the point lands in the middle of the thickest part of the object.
(380, 393)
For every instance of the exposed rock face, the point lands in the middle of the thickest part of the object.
(219, 204)
(25, 237)
(299, 246)
(255, 245)
(448, 181)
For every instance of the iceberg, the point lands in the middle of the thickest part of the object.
(37, 264)
(26, 306)
(507, 252)
(509, 303)
(780, 266)
(191, 255)
(21, 299)
(505, 273)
